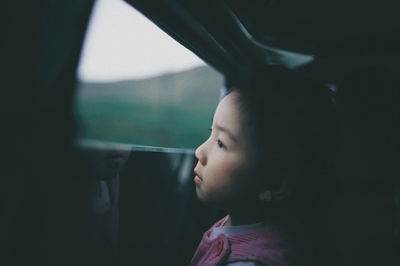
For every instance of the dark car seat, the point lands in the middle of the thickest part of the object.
(365, 216)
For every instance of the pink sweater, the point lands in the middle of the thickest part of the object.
(267, 245)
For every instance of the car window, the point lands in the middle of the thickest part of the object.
(139, 86)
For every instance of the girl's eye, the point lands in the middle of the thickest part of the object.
(221, 145)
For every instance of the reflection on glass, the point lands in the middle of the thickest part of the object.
(141, 203)
(103, 176)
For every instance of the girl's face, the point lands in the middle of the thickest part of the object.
(224, 159)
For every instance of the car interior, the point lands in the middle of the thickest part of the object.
(78, 191)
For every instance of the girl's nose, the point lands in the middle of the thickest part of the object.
(200, 154)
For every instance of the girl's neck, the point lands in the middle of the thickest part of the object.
(242, 217)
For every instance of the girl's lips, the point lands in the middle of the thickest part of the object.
(198, 180)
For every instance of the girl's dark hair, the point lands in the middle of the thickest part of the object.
(291, 123)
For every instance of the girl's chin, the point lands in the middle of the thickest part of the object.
(208, 200)
(200, 195)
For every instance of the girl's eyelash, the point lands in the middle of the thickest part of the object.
(221, 144)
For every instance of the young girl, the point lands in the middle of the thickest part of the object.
(265, 163)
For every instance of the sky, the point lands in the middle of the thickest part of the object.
(121, 44)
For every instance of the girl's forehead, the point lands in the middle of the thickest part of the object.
(228, 113)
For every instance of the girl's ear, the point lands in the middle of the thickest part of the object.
(279, 194)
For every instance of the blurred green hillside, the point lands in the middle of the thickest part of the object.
(170, 110)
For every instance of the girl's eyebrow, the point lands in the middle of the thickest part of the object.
(227, 132)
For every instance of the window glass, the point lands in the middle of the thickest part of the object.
(139, 86)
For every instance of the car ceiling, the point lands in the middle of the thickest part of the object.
(319, 37)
